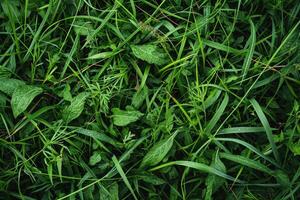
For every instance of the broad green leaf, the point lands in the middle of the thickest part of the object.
(95, 158)
(66, 93)
(123, 118)
(157, 153)
(8, 86)
(279, 137)
(74, 110)
(150, 53)
(168, 124)
(266, 81)
(22, 97)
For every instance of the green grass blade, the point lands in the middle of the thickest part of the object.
(247, 162)
(250, 147)
(249, 55)
(123, 175)
(38, 32)
(266, 126)
(199, 166)
(238, 130)
(219, 112)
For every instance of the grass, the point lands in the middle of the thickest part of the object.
(141, 99)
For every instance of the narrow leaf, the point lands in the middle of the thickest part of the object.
(250, 51)
(242, 130)
(59, 166)
(123, 175)
(101, 55)
(247, 162)
(250, 147)
(213, 182)
(217, 115)
(199, 166)
(267, 127)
